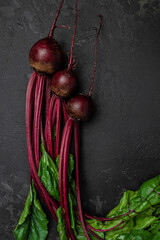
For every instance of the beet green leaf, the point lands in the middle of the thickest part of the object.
(32, 223)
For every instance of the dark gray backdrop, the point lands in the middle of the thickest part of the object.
(121, 144)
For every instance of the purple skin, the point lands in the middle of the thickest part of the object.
(46, 56)
(64, 83)
(80, 107)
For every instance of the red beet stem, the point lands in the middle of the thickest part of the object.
(36, 86)
(64, 110)
(73, 38)
(50, 130)
(55, 20)
(43, 197)
(101, 230)
(77, 147)
(38, 105)
(54, 113)
(58, 127)
(29, 111)
(50, 110)
(37, 118)
(105, 230)
(33, 102)
(61, 170)
(95, 64)
(48, 127)
(102, 219)
(61, 162)
(108, 219)
(48, 95)
(65, 175)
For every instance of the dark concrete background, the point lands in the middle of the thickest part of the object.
(121, 143)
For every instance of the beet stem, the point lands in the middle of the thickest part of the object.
(64, 110)
(65, 175)
(51, 121)
(77, 147)
(58, 128)
(55, 20)
(105, 230)
(61, 170)
(61, 162)
(37, 118)
(102, 219)
(73, 38)
(48, 95)
(50, 109)
(48, 127)
(95, 64)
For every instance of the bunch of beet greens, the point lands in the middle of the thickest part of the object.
(51, 164)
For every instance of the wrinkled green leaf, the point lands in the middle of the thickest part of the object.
(155, 227)
(48, 174)
(72, 185)
(156, 236)
(32, 223)
(126, 229)
(143, 221)
(61, 225)
(97, 225)
(146, 197)
(57, 161)
(81, 235)
(72, 204)
(70, 166)
(141, 210)
(136, 235)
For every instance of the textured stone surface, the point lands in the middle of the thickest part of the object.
(121, 143)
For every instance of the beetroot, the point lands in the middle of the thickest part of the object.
(64, 82)
(80, 107)
(46, 55)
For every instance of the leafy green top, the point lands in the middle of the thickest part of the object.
(32, 223)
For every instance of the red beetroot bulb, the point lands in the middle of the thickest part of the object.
(80, 107)
(46, 56)
(64, 83)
